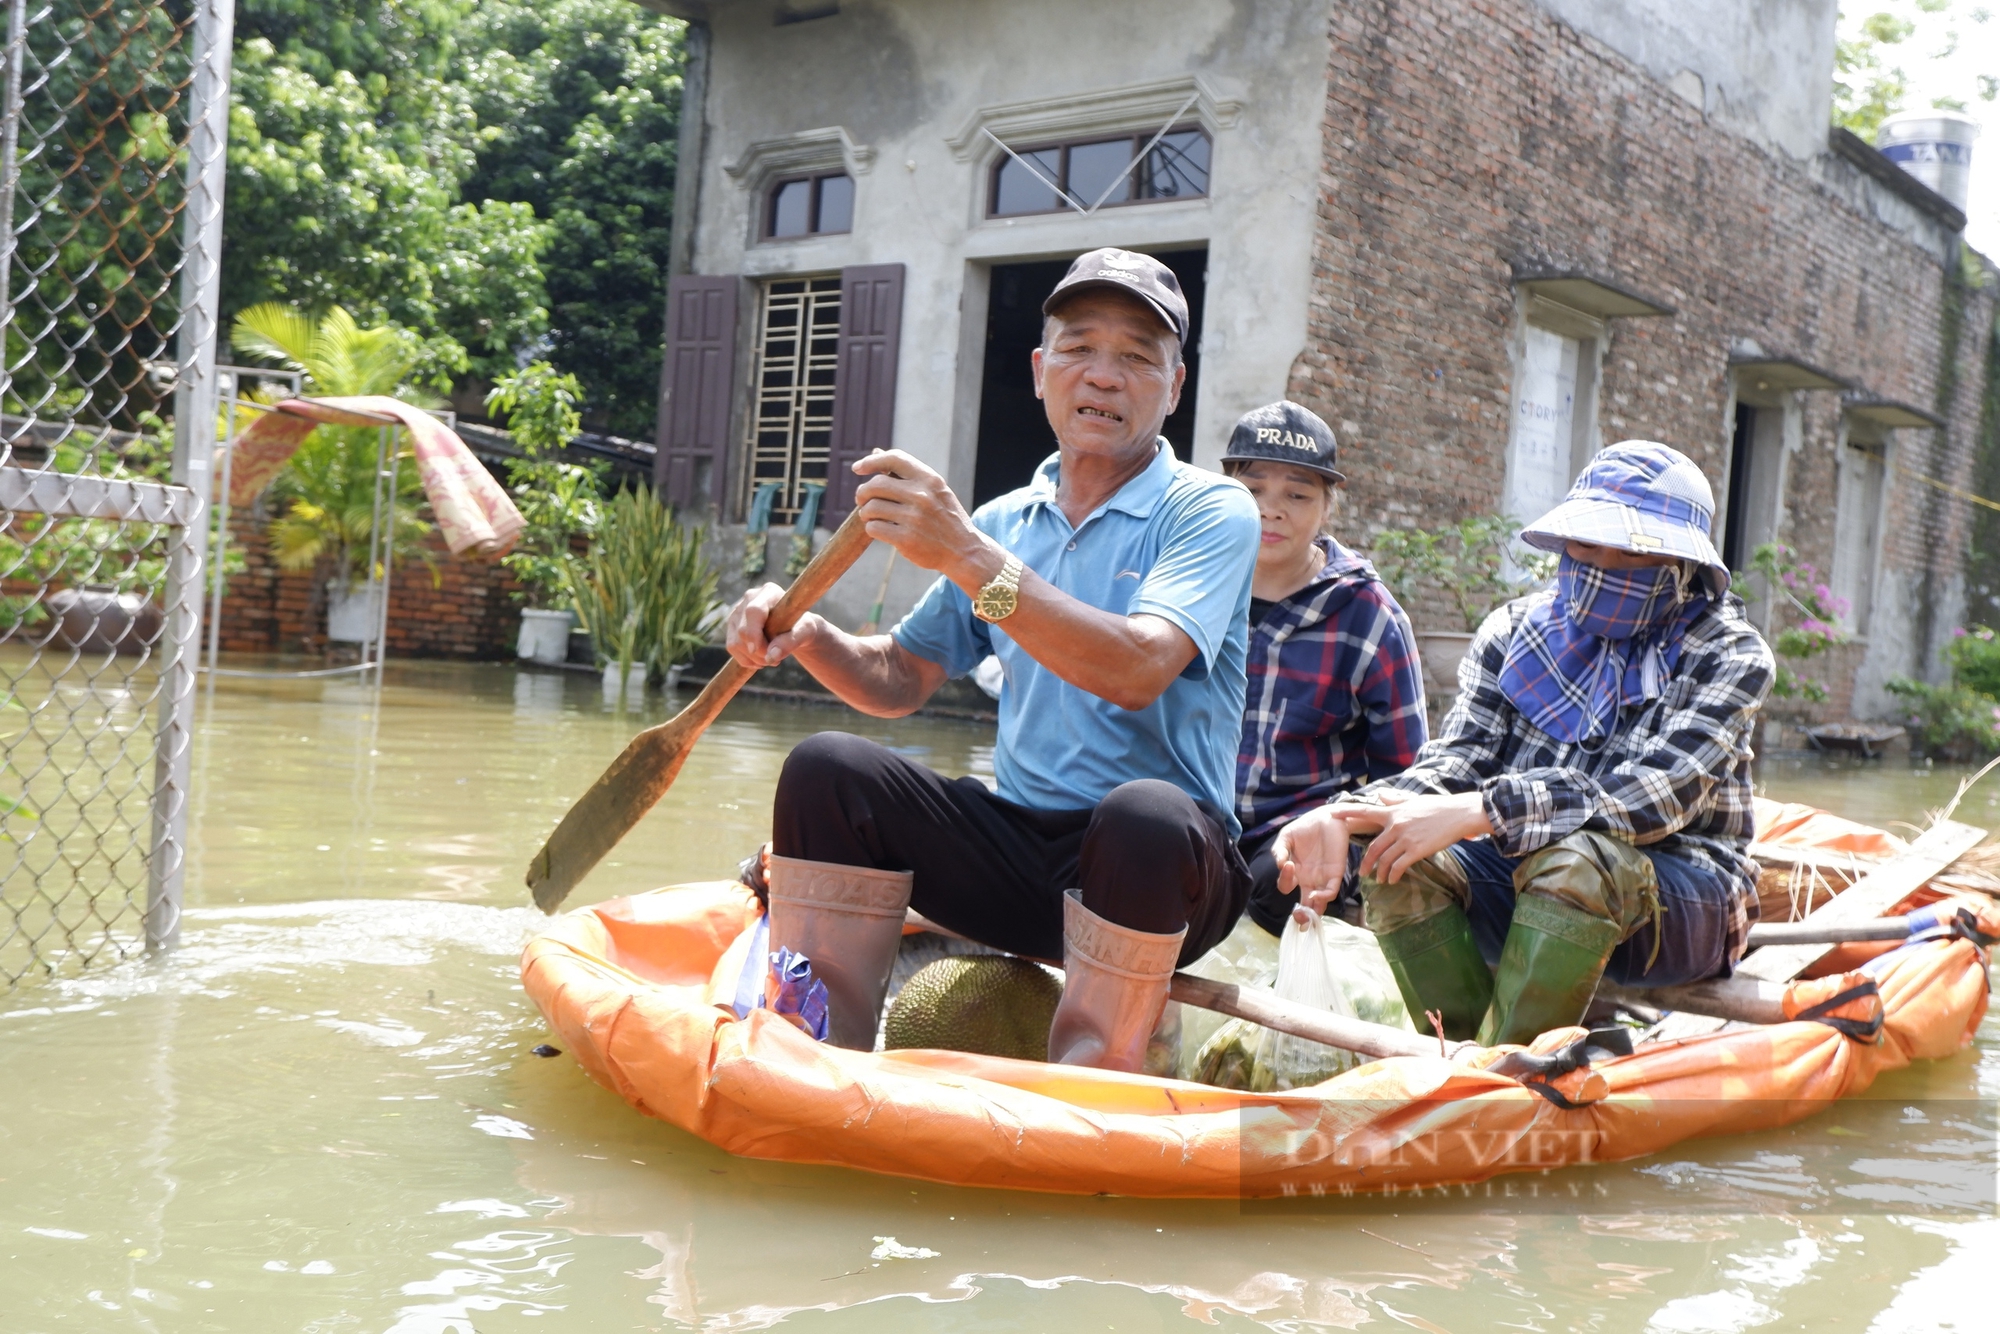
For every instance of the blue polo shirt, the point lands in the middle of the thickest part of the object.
(1176, 542)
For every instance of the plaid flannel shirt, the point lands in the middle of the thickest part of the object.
(1674, 776)
(1336, 697)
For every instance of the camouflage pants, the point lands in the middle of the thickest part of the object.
(1604, 877)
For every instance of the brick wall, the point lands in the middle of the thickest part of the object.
(1465, 141)
(469, 613)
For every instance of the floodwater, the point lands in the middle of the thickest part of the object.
(323, 1114)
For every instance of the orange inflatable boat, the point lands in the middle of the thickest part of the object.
(637, 990)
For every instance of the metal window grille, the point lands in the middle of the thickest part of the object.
(112, 133)
(791, 419)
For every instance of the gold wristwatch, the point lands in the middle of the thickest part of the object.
(1001, 594)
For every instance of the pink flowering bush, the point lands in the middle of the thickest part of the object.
(1815, 615)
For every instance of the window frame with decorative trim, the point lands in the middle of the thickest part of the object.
(1141, 148)
(815, 204)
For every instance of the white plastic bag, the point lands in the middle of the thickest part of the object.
(1355, 957)
(1304, 978)
(1244, 1055)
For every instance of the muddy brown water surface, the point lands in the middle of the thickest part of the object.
(323, 1114)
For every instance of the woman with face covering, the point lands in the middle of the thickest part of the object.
(1336, 699)
(1585, 809)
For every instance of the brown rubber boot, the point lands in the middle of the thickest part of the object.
(848, 922)
(1114, 989)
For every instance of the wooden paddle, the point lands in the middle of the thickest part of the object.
(1274, 1012)
(641, 775)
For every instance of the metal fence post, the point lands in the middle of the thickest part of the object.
(194, 448)
(10, 166)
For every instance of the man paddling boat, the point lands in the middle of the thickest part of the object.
(1585, 809)
(1114, 588)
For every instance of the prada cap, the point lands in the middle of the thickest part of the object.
(1141, 275)
(1284, 433)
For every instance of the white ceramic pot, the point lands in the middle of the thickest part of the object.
(544, 636)
(635, 682)
(353, 614)
(1442, 651)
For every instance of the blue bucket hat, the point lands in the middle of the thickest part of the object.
(1638, 496)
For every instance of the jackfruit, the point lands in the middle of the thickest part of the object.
(989, 1004)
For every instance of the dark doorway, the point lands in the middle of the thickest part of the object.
(1014, 433)
(1736, 511)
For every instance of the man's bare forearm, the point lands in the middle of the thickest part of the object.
(1125, 660)
(875, 674)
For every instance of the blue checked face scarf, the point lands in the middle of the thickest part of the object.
(1609, 638)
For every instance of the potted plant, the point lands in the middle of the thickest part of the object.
(1475, 565)
(328, 487)
(645, 591)
(560, 501)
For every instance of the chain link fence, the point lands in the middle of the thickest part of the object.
(111, 161)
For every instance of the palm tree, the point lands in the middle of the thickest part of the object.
(328, 487)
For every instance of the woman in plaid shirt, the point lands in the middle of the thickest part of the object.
(1336, 698)
(1586, 807)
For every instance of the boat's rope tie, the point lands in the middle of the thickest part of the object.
(1965, 925)
(1861, 1030)
(1534, 1071)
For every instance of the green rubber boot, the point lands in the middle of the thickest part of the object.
(1548, 972)
(1437, 967)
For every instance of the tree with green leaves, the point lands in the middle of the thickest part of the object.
(494, 175)
(96, 211)
(349, 138)
(1868, 88)
(578, 103)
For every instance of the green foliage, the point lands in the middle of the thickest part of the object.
(463, 170)
(1865, 91)
(1815, 613)
(328, 489)
(1974, 655)
(328, 486)
(1960, 721)
(97, 200)
(646, 593)
(559, 500)
(578, 103)
(339, 357)
(1953, 722)
(539, 403)
(1467, 561)
(348, 140)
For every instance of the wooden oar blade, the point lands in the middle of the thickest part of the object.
(616, 802)
(647, 767)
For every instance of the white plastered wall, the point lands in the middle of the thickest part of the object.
(895, 92)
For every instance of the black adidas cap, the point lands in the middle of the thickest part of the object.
(1141, 275)
(1284, 433)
